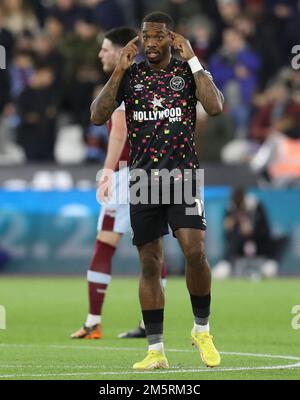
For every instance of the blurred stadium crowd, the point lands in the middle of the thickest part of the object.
(52, 73)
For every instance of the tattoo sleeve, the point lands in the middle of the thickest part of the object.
(105, 103)
(208, 94)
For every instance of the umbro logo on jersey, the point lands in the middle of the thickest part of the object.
(177, 83)
(139, 87)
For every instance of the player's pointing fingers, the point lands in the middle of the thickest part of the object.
(133, 41)
(132, 44)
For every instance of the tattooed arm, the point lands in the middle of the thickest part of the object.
(207, 93)
(105, 103)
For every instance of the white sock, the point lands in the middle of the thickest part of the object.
(157, 346)
(201, 328)
(142, 325)
(93, 320)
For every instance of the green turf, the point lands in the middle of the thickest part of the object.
(247, 317)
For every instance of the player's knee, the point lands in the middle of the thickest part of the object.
(110, 238)
(151, 267)
(196, 257)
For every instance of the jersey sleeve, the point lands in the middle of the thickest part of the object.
(121, 107)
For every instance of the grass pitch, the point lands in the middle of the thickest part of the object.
(251, 324)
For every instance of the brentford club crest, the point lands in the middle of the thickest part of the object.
(177, 83)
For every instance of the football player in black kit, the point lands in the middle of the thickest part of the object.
(160, 96)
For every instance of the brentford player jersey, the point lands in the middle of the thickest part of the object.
(160, 115)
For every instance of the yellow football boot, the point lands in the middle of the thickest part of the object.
(154, 360)
(209, 354)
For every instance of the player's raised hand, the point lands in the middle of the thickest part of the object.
(182, 45)
(128, 53)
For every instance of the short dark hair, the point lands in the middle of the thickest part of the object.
(160, 17)
(120, 36)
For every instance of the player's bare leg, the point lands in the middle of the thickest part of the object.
(150, 290)
(198, 274)
(198, 280)
(111, 238)
(139, 331)
(152, 303)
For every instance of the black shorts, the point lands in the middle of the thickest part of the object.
(150, 221)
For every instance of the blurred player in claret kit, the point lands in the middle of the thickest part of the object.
(114, 219)
(160, 96)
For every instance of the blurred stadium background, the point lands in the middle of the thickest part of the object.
(50, 153)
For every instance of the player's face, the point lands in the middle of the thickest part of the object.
(109, 55)
(156, 41)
